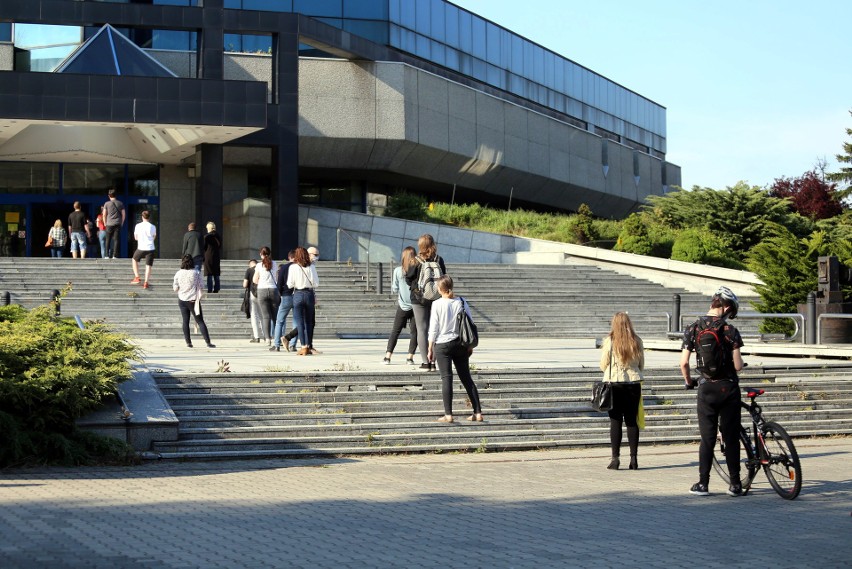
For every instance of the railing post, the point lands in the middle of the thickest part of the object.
(812, 318)
(56, 299)
(674, 324)
(380, 279)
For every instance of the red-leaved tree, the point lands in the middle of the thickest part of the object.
(809, 195)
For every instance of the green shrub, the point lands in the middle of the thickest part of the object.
(698, 245)
(51, 374)
(405, 205)
(634, 237)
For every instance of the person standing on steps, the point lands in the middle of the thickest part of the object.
(717, 346)
(303, 279)
(79, 231)
(250, 296)
(56, 238)
(145, 233)
(267, 292)
(193, 245)
(444, 348)
(284, 307)
(114, 217)
(212, 257)
(404, 314)
(427, 259)
(102, 233)
(187, 283)
(622, 361)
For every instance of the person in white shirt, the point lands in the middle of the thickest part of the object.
(187, 284)
(267, 292)
(445, 350)
(303, 279)
(145, 233)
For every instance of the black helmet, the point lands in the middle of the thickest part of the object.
(729, 299)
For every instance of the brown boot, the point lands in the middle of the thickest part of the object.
(304, 352)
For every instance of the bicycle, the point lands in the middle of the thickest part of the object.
(772, 449)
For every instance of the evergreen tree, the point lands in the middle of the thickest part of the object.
(845, 173)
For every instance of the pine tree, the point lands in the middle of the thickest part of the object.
(845, 173)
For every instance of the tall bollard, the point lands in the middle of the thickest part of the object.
(56, 299)
(811, 317)
(7, 298)
(674, 325)
(380, 279)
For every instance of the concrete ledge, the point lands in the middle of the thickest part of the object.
(151, 416)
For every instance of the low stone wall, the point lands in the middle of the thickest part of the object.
(352, 236)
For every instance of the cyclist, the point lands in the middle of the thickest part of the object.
(718, 392)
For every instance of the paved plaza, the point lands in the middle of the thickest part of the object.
(555, 508)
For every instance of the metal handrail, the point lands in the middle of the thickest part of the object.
(337, 255)
(827, 315)
(794, 316)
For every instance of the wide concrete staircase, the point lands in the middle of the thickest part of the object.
(507, 300)
(228, 415)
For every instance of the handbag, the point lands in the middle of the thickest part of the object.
(602, 391)
(49, 241)
(602, 396)
(466, 330)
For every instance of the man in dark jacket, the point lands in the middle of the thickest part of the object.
(193, 245)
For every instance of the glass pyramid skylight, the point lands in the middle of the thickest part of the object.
(110, 53)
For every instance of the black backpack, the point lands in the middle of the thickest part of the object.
(710, 353)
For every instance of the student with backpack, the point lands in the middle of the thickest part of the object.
(717, 347)
(422, 278)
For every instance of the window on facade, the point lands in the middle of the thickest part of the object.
(143, 180)
(245, 43)
(44, 47)
(29, 178)
(5, 31)
(92, 179)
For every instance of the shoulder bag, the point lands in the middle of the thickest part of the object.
(466, 330)
(602, 390)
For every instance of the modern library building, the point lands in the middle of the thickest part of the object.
(238, 111)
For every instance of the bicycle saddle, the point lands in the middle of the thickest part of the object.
(752, 392)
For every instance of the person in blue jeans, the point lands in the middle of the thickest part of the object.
(284, 308)
(303, 279)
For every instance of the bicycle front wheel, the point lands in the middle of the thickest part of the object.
(747, 465)
(781, 462)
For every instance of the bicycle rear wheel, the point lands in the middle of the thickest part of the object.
(781, 463)
(747, 464)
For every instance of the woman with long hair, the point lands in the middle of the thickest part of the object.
(56, 237)
(444, 348)
(187, 283)
(267, 292)
(622, 361)
(422, 307)
(404, 313)
(303, 279)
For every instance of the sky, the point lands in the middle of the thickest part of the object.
(755, 90)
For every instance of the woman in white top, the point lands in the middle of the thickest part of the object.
(267, 292)
(187, 283)
(303, 279)
(444, 349)
(622, 361)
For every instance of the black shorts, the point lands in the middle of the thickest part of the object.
(149, 256)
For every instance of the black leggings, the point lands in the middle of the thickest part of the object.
(625, 407)
(187, 307)
(447, 355)
(399, 321)
(719, 410)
